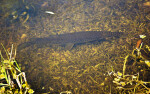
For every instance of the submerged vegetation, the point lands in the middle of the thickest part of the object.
(114, 66)
(133, 80)
(12, 79)
(16, 11)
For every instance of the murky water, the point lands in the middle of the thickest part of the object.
(72, 62)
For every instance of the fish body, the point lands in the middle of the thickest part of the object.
(71, 38)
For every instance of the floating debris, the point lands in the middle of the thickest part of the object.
(49, 12)
(142, 36)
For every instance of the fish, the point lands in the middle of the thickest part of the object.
(70, 39)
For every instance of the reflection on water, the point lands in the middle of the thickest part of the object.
(82, 69)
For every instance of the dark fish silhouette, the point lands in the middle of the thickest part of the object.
(71, 38)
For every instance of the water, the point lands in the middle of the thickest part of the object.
(82, 69)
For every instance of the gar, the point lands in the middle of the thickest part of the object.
(70, 39)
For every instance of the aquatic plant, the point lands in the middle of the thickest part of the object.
(16, 11)
(133, 83)
(12, 79)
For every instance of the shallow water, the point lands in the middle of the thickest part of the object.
(82, 69)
